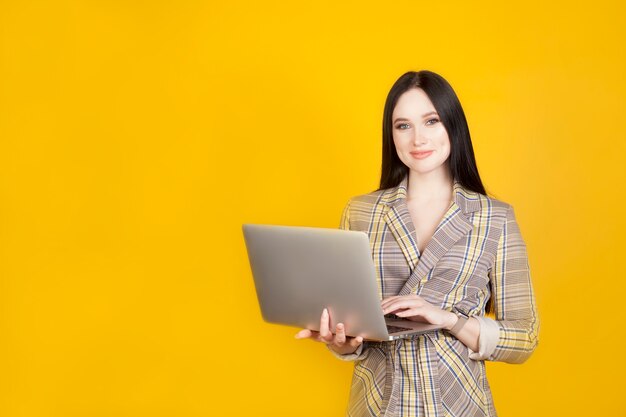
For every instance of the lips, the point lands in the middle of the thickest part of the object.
(421, 154)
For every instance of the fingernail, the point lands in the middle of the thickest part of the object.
(325, 311)
(339, 324)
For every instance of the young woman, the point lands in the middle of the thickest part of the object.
(445, 253)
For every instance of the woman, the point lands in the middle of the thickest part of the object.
(445, 253)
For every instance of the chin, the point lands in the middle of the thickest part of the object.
(424, 169)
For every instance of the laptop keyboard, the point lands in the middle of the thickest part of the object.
(395, 329)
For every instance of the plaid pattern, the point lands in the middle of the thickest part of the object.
(476, 252)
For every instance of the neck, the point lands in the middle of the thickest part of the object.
(434, 185)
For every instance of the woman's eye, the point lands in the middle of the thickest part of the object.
(434, 120)
(400, 126)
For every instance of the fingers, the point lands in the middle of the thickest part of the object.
(340, 335)
(408, 312)
(303, 334)
(307, 333)
(396, 298)
(388, 301)
(341, 340)
(355, 341)
(325, 334)
(423, 314)
(402, 303)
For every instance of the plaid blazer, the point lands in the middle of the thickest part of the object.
(476, 252)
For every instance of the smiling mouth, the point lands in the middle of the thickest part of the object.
(421, 154)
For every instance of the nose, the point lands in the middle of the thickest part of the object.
(418, 139)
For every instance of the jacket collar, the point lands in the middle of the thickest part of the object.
(468, 201)
(454, 225)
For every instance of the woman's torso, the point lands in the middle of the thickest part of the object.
(431, 374)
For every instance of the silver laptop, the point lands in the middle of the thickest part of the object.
(298, 271)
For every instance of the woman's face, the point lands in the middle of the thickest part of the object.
(421, 140)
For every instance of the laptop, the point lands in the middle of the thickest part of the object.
(298, 271)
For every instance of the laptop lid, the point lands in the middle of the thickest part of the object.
(298, 271)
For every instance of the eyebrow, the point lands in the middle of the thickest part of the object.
(407, 120)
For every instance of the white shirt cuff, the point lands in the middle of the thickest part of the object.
(487, 339)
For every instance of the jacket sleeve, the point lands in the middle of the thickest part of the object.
(513, 297)
(361, 351)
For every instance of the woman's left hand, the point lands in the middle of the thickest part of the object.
(415, 308)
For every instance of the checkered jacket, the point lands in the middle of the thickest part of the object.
(476, 252)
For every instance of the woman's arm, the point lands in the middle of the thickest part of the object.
(359, 346)
(469, 333)
(513, 297)
(415, 307)
(361, 350)
(513, 336)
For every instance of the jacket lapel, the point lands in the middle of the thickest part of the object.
(453, 226)
(398, 219)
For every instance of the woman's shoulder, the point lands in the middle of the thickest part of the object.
(487, 205)
(368, 201)
(371, 197)
(488, 202)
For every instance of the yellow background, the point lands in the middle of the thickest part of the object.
(137, 137)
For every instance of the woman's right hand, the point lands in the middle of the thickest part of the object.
(338, 342)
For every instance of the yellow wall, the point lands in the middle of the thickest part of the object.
(137, 136)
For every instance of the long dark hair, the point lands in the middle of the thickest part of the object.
(462, 162)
